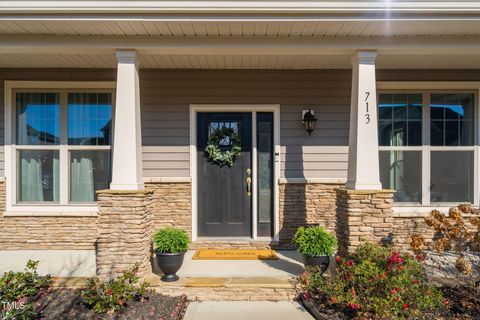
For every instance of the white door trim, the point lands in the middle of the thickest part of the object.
(253, 108)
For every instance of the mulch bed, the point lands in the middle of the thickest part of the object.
(67, 304)
(462, 303)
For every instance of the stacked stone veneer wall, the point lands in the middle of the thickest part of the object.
(121, 233)
(36, 232)
(125, 226)
(405, 225)
(172, 204)
(363, 216)
(303, 204)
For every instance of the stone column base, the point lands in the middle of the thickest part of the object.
(125, 224)
(363, 215)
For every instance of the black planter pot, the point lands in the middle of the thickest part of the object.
(316, 261)
(169, 263)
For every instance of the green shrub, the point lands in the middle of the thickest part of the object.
(315, 241)
(375, 283)
(171, 240)
(19, 289)
(114, 294)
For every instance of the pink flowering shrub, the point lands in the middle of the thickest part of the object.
(375, 282)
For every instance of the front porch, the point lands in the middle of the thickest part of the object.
(159, 84)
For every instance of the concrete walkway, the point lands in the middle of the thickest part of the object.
(241, 310)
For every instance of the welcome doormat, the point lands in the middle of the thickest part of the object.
(234, 254)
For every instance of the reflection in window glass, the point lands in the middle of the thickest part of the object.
(89, 118)
(451, 119)
(38, 118)
(213, 128)
(402, 171)
(38, 176)
(451, 176)
(89, 172)
(400, 119)
(265, 172)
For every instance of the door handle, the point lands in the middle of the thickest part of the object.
(249, 186)
(249, 182)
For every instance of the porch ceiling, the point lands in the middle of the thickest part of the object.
(202, 61)
(358, 27)
(57, 41)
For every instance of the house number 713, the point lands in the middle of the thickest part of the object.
(367, 114)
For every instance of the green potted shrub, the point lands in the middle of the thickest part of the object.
(316, 246)
(170, 245)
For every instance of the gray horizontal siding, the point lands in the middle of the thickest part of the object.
(166, 95)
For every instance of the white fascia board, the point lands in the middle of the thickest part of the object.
(237, 6)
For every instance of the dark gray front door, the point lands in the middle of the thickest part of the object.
(224, 200)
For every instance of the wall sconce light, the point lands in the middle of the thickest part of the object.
(309, 120)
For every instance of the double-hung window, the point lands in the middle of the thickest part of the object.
(61, 145)
(427, 146)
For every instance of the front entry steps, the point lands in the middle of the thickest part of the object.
(228, 288)
(234, 280)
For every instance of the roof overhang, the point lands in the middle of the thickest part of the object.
(240, 34)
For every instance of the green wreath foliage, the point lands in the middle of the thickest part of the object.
(215, 154)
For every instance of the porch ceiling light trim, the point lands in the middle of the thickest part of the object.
(309, 120)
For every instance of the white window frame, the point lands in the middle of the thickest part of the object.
(426, 88)
(63, 207)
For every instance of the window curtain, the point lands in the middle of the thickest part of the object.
(56, 180)
(31, 188)
(82, 186)
(396, 162)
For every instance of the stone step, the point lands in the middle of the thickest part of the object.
(228, 288)
(210, 288)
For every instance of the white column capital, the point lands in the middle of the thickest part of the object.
(126, 56)
(364, 57)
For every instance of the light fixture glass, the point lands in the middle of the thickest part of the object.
(309, 121)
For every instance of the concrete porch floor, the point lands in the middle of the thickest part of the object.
(287, 266)
(233, 280)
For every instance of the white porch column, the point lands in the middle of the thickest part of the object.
(363, 164)
(127, 138)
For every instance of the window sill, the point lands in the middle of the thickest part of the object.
(404, 211)
(51, 211)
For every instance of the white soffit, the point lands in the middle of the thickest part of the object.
(260, 28)
(169, 61)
